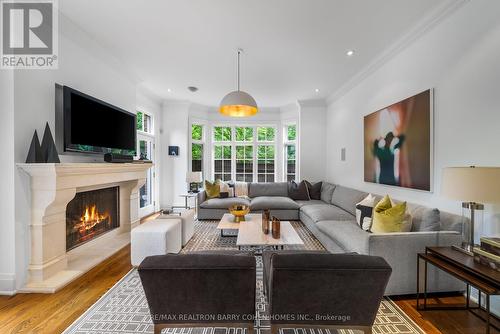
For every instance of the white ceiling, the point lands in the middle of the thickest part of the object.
(291, 47)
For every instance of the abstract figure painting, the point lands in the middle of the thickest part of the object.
(398, 143)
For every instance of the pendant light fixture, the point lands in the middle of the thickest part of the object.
(238, 103)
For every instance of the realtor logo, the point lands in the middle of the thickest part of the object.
(29, 34)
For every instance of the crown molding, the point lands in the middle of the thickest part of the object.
(433, 19)
(312, 103)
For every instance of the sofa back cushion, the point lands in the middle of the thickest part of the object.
(289, 273)
(424, 218)
(268, 189)
(327, 192)
(298, 191)
(346, 198)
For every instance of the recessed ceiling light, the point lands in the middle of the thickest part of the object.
(350, 52)
(193, 89)
(317, 90)
(169, 90)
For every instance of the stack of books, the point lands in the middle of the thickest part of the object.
(488, 253)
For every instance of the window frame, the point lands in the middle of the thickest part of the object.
(149, 136)
(286, 143)
(151, 131)
(233, 142)
(202, 141)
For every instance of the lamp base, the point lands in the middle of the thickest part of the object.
(193, 188)
(466, 249)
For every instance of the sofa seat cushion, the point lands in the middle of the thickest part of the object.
(319, 212)
(224, 203)
(347, 234)
(273, 202)
(310, 202)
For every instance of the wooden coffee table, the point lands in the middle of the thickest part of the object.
(250, 232)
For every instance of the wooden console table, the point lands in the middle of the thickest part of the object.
(463, 267)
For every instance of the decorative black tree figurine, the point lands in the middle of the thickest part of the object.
(49, 149)
(35, 154)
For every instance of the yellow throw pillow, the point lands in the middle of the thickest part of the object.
(212, 189)
(388, 218)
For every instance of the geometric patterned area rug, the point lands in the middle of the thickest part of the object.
(124, 309)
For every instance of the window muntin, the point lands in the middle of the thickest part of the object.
(223, 162)
(197, 154)
(144, 122)
(222, 133)
(290, 152)
(196, 157)
(290, 160)
(244, 163)
(265, 163)
(243, 134)
(266, 133)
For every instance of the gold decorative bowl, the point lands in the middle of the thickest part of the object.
(239, 212)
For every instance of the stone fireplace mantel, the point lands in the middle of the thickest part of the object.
(53, 186)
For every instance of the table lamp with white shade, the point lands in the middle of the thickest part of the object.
(474, 186)
(194, 178)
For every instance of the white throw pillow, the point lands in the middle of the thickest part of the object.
(364, 212)
(225, 188)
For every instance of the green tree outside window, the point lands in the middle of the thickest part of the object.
(139, 120)
(292, 132)
(244, 133)
(265, 134)
(197, 132)
(222, 133)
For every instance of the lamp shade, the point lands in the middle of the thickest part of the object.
(194, 177)
(238, 104)
(472, 184)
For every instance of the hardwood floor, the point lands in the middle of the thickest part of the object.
(444, 321)
(52, 313)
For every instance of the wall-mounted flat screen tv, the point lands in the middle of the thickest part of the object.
(89, 125)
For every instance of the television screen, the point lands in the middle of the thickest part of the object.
(94, 126)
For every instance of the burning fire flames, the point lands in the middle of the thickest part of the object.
(91, 218)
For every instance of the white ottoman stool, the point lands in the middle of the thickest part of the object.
(155, 237)
(187, 218)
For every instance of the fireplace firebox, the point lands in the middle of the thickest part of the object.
(90, 214)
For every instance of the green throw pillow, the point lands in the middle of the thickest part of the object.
(212, 189)
(388, 218)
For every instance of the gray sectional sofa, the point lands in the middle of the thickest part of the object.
(332, 220)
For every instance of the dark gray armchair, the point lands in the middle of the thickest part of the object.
(319, 289)
(200, 289)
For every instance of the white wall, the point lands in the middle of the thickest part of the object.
(312, 135)
(173, 168)
(7, 171)
(459, 59)
(84, 66)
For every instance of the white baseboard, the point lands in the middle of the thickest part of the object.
(8, 293)
(7, 284)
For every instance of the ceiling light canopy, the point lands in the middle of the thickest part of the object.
(238, 103)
